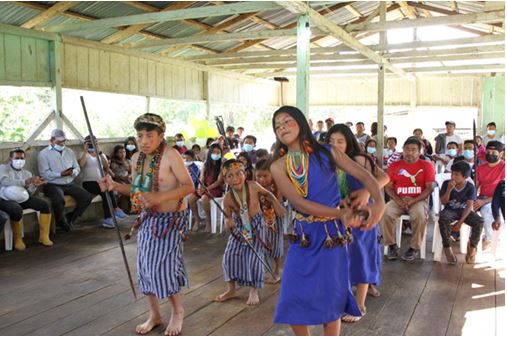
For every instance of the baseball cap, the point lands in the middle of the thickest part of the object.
(58, 134)
(450, 122)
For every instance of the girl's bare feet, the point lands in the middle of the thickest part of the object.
(373, 291)
(274, 280)
(175, 324)
(195, 226)
(149, 325)
(253, 297)
(229, 294)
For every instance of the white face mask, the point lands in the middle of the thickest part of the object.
(180, 143)
(491, 132)
(130, 147)
(18, 163)
(59, 147)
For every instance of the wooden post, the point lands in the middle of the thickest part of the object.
(206, 94)
(380, 94)
(303, 64)
(55, 59)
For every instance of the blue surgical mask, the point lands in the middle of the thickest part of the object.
(491, 132)
(58, 147)
(371, 150)
(468, 154)
(215, 156)
(248, 147)
(452, 152)
(130, 147)
(180, 143)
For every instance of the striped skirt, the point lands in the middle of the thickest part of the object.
(240, 263)
(275, 239)
(160, 267)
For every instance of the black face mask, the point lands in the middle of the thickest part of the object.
(491, 158)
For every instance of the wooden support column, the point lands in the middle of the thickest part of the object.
(56, 57)
(206, 94)
(381, 92)
(303, 64)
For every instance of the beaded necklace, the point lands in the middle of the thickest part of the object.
(243, 212)
(297, 169)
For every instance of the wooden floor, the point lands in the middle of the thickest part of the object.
(79, 287)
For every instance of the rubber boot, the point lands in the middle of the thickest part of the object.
(18, 235)
(44, 224)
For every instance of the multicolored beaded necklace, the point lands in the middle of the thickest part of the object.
(297, 169)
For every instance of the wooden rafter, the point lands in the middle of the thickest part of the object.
(134, 29)
(47, 14)
(330, 27)
(354, 11)
(252, 43)
(408, 10)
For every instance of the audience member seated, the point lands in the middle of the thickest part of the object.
(17, 186)
(445, 138)
(130, 147)
(249, 144)
(491, 134)
(481, 150)
(467, 156)
(450, 154)
(329, 123)
(122, 170)
(427, 148)
(360, 135)
(247, 163)
(411, 182)
(197, 152)
(489, 175)
(262, 154)
(180, 143)
(233, 141)
(58, 166)
(209, 141)
(390, 149)
(212, 178)
(320, 130)
(498, 204)
(373, 129)
(239, 135)
(193, 169)
(371, 149)
(322, 138)
(89, 163)
(458, 196)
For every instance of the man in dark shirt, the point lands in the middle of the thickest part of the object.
(498, 203)
(458, 196)
(233, 141)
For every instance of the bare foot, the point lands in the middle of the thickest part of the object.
(208, 228)
(195, 227)
(175, 324)
(229, 294)
(253, 297)
(373, 291)
(274, 280)
(149, 325)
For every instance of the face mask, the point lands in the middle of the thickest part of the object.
(130, 147)
(215, 156)
(58, 147)
(180, 143)
(188, 163)
(491, 158)
(91, 150)
(371, 150)
(248, 147)
(468, 154)
(18, 163)
(491, 132)
(452, 152)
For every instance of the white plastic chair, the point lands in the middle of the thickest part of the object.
(217, 218)
(8, 235)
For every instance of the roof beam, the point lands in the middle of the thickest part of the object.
(252, 43)
(354, 11)
(134, 29)
(56, 9)
(407, 10)
(330, 27)
(456, 19)
(177, 15)
(332, 50)
(214, 38)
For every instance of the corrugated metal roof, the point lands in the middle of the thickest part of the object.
(14, 15)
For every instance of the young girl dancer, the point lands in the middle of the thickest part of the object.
(315, 285)
(364, 253)
(273, 224)
(244, 220)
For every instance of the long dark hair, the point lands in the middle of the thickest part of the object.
(213, 165)
(116, 149)
(130, 153)
(352, 149)
(305, 137)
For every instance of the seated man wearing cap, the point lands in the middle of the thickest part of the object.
(445, 138)
(489, 175)
(160, 182)
(17, 185)
(59, 167)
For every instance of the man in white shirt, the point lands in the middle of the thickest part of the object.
(445, 138)
(491, 134)
(59, 167)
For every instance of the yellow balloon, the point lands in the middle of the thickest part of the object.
(229, 155)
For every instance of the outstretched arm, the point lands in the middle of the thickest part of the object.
(279, 209)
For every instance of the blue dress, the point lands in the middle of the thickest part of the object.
(315, 285)
(365, 258)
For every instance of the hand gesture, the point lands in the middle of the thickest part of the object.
(496, 224)
(348, 217)
(359, 198)
(106, 184)
(457, 226)
(67, 172)
(376, 211)
(451, 185)
(38, 181)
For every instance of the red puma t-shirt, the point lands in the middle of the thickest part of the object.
(409, 180)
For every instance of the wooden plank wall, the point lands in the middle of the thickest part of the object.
(241, 91)
(93, 69)
(462, 91)
(24, 60)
